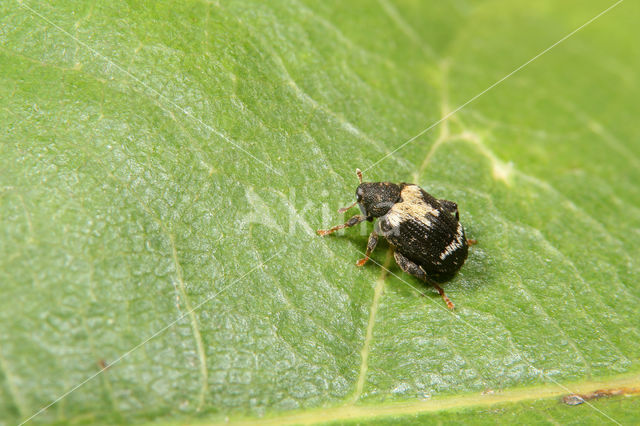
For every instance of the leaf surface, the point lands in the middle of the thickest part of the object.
(165, 166)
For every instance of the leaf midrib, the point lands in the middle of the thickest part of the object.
(478, 399)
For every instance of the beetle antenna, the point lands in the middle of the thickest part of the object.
(359, 173)
(344, 209)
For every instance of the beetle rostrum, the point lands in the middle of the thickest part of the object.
(427, 237)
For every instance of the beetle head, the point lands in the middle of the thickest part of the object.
(376, 198)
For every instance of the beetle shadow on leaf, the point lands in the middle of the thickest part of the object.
(468, 279)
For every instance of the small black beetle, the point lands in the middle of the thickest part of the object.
(428, 239)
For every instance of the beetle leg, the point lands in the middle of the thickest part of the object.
(351, 222)
(446, 299)
(371, 245)
(410, 267)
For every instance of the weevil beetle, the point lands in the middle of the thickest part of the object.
(426, 234)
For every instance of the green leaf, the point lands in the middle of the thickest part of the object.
(538, 412)
(164, 166)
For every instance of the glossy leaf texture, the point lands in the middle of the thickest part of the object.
(164, 165)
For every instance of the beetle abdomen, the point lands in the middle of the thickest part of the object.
(441, 253)
(426, 232)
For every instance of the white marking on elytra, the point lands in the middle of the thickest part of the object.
(453, 245)
(412, 207)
